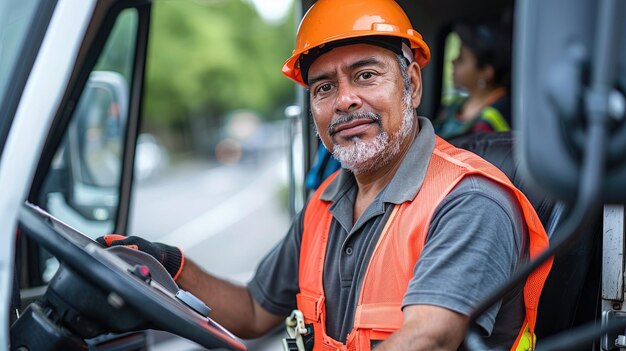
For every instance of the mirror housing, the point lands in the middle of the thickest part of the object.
(558, 90)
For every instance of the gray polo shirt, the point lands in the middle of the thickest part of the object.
(476, 239)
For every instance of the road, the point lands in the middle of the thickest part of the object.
(225, 218)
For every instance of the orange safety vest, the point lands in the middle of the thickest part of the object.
(378, 313)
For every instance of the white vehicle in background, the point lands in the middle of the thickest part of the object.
(151, 157)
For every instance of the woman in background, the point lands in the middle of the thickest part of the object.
(482, 70)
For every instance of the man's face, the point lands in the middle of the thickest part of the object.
(360, 106)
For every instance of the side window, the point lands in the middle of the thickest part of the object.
(82, 184)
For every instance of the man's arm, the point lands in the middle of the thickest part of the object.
(233, 306)
(429, 328)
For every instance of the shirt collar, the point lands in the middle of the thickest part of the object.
(408, 178)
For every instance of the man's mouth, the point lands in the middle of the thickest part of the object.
(357, 126)
(351, 125)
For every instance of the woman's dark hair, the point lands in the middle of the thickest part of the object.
(491, 44)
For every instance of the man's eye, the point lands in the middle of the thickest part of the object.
(367, 75)
(324, 88)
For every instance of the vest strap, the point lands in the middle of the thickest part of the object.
(311, 305)
(526, 340)
(368, 317)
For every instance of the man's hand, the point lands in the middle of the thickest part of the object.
(170, 257)
(233, 306)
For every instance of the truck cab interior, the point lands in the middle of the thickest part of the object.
(104, 300)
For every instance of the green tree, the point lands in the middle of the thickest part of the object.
(208, 58)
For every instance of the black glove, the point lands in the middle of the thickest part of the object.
(170, 257)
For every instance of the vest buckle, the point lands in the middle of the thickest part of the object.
(296, 329)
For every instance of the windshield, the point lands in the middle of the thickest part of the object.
(15, 19)
(19, 20)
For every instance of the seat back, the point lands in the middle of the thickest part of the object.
(571, 291)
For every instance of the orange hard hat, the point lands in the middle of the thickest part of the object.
(334, 20)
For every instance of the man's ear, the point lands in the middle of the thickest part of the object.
(415, 76)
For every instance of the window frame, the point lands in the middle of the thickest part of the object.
(98, 31)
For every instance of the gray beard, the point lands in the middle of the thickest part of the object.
(367, 156)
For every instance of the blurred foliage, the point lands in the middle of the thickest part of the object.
(206, 58)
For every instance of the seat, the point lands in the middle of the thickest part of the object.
(571, 292)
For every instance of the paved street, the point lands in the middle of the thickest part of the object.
(223, 217)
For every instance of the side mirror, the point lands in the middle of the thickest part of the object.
(86, 173)
(95, 146)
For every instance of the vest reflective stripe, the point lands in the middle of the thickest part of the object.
(378, 313)
(495, 119)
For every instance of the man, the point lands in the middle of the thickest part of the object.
(394, 250)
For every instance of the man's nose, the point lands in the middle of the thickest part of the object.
(347, 99)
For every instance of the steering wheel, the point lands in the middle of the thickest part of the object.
(111, 274)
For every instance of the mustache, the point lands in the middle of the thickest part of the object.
(351, 117)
